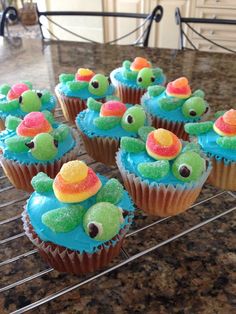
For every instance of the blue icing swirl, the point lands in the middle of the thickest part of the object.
(118, 76)
(26, 157)
(152, 106)
(209, 145)
(85, 118)
(83, 93)
(50, 105)
(77, 239)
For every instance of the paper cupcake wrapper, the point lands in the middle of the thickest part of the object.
(160, 199)
(74, 262)
(2, 124)
(20, 175)
(130, 95)
(223, 175)
(101, 149)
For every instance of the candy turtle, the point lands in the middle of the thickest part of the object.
(166, 149)
(113, 113)
(85, 79)
(36, 135)
(75, 183)
(178, 94)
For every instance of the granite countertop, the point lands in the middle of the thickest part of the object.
(194, 273)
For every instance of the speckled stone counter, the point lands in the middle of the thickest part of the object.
(172, 271)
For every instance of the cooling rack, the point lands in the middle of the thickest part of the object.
(21, 265)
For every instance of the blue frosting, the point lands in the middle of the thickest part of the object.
(209, 145)
(152, 106)
(85, 118)
(83, 93)
(50, 105)
(26, 157)
(77, 239)
(118, 76)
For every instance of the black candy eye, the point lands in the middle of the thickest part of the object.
(20, 99)
(192, 113)
(39, 94)
(129, 119)
(125, 213)
(93, 230)
(30, 145)
(109, 80)
(207, 108)
(152, 79)
(95, 84)
(184, 171)
(140, 79)
(56, 143)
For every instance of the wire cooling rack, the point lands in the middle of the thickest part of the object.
(16, 249)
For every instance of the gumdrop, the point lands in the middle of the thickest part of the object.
(199, 93)
(168, 104)
(30, 101)
(145, 77)
(111, 192)
(17, 90)
(16, 144)
(154, 170)
(74, 171)
(198, 128)
(12, 122)
(106, 123)
(49, 116)
(28, 83)
(7, 106)
(46, 97)
(195, 147)
(144, 131)
(93, 104)
(102, 221)
(194, 107)
(76, 86)
(4, 89)
(63, 78)
(61, 133)
(113, 108)
(42, 183)
(133, 119)
(43, 147)
(227, 142)
(64, 219)
(98, 85)
(132, 145)
(156, 90)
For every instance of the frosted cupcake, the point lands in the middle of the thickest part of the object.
(133, 79)
(163, 175)
(36, 143)
(218, 141)
(175, 105)
(74, 90)
(103, 125)
(21, 98)
(77, 221)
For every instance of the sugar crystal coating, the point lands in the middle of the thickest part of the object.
(198, 128)
(106, 123)
(155, 90)
(44, 147)
(102, 221)
(144, 131)
(30, 101)
(98, 85)
(7, 106)
(145, 77)
(63, 78)
(154, 170)
(74, 171)
(133, 119)
(42, 183)
(61, 133)
(12, 122)
(64, 219)
(17, 90)
(4, 89)
(16, 144)
(132, 145)
(194, 107)
(94, 105)
(49, 116)
(227, 142)
(112, 108)
(111, 192)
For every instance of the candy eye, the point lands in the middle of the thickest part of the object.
(185, 170)
(194, 107)
(145, 77)
(133, 119)
(94, 229)
(20, 99)
(55, 143)
(98, 85)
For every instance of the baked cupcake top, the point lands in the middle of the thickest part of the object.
(79, 209)
(218, 138)
(84, 84)
(160, 157)
(112, 119)
(21, 98)
(138, 74)
(36, 138)
(176, 102)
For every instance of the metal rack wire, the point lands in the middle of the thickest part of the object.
(126, 257)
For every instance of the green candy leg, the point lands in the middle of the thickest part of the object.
(63, 78)
(154, 170)
(61, 133)
(7, 106)
(144, 131)
(227, 142)
(111, 192)
(12, 122)
(16, 144)
(156, 90)
(198, 128)
(94, 105)
(106, 123)
(199, 93)
(4, 89)
(171, 103)
(42, 183)
(132, 145)
(76, 86)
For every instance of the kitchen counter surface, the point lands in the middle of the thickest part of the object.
(183, 264)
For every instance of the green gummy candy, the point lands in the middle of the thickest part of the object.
(102, 221)
(130, 75)
(61, 133)
(132, 145)
(144, 131)
(76, 86)
(111, 192)
(28, 83)
(94, 105)
(64, 219)
(44, 147)
(42, 183)
(16, 144)
(7, 106)
(199, 93)
(46, 97)
(156, 90)
(227, 142)
(126, 64)
(133, 118)
(12, 122)
(194, 147)
(157, 72)
(198, 128)
(194, 107)
(63, 78)
(219, 113)
(170, 103)
(49, 116)
(145, 77)
(154, 170)
(98, 85)
(30, 101)
(106, 123)
(4, 89)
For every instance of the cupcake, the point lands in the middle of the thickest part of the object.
(218, 141)
(74, 90)
(133, 79)
(21, 98)
(163, 175)
(78, 220)
(103, 125)
(36, 143)
(175, 105)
